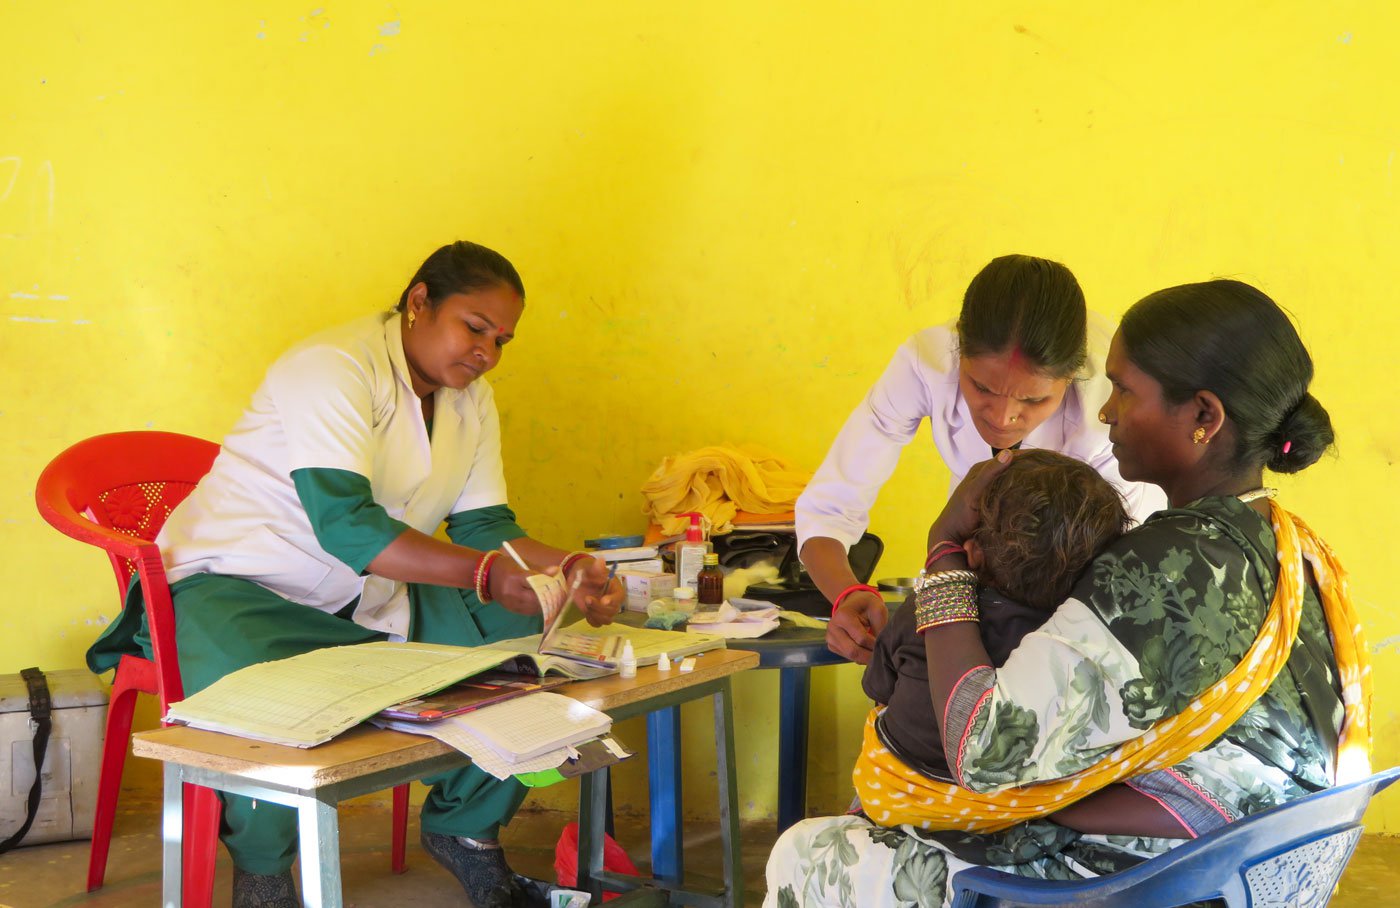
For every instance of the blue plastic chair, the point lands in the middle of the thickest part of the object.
(1290, 855)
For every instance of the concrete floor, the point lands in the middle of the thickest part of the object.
(53, 875)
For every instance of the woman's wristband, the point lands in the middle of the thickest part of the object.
(853, 588)
(481, 579)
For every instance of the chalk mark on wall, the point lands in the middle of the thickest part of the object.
(388, 29)
(14, 175)
(46, 173)
(1385, 644)
(36, 295)
(47, 167)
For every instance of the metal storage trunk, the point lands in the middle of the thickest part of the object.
(71, 763)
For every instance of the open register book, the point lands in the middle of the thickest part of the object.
(308, 699)
(565, 648)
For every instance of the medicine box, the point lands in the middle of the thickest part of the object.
(644, 586)
(71, 763)
(654, 566)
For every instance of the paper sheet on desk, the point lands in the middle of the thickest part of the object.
(741, 630)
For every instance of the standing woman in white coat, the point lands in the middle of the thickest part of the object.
(1022, 368)
(314, 528)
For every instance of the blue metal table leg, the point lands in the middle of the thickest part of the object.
(664, 756)
(794, 695)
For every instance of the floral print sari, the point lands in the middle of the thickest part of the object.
(1165, 612)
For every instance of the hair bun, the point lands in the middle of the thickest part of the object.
(1302, 438)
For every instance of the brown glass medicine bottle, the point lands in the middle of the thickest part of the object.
(709, 583)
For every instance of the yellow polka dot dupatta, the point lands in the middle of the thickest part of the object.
(892, 794)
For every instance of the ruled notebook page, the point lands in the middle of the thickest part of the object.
(534, 724)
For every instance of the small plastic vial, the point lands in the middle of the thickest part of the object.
(709, 582)
(627, 665)
(684, 598)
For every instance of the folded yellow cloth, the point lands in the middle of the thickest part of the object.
(718, 482)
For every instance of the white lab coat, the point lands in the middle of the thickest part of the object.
(922, 381)
(342, 400)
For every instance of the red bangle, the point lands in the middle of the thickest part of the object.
(570, 560)
(946, 547)
(853, 588)
(481, 580)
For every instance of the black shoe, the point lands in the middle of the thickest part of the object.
(482, 870)
(254, 890)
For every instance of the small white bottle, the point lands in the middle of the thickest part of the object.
(627, 665)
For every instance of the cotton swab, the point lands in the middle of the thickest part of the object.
(515, 556)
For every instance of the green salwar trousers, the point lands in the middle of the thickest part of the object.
(223, 624)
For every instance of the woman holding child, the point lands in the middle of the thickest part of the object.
(1197, 673)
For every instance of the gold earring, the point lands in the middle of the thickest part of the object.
(1199, 436)
(1102, 418)
(411, 319)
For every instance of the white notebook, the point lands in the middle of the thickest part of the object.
(529, 726)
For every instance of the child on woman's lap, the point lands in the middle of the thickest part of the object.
(1043, 520)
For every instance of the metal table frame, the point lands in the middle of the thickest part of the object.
(794, 651)
(318, 823)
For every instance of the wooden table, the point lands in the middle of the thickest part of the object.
(365, 759)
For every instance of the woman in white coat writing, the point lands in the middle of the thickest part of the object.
(314, 528)
(1023, 367)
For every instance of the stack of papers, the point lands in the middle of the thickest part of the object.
(725, 620)
(526, 734)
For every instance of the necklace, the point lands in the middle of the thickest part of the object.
(1253, 494)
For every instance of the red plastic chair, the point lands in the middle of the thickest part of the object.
(115, 492)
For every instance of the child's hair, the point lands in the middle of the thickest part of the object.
(1042, 521)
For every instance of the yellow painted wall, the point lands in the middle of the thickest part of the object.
(727, 216)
